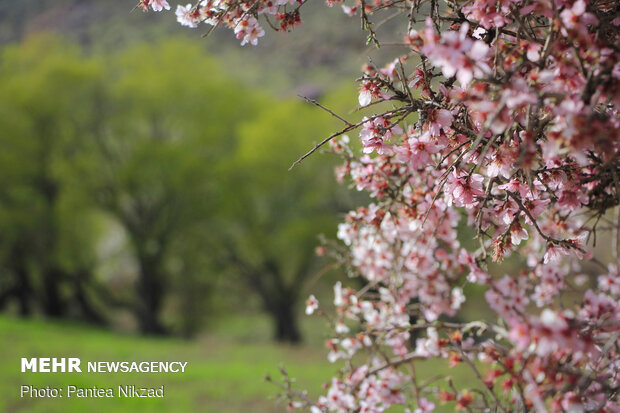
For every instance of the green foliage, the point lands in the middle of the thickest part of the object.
(270, 217)
(282, 210)
(169, 119)
(189, 164)
(40, 84)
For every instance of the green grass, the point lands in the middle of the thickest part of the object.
(225, 371)
(222, 375)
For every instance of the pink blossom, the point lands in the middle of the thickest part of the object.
(249, 31)
(159, 5)
(518, 233)
(512, 140)
(185, 16)
(437, 120)
(365, 97)
(610, 282)
(457, 298)
(520, 335)
(570, 16)
(418, 152)
(368, 90)
(485, 12)
(376, 132)
(424, 406)
(463, 189)
(572, 199)
(516, 186)
(457, 54)
(554, 253)
(533, 51)
(312, 304)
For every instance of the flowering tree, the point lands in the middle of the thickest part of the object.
(500, 116)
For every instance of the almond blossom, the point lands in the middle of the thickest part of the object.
(312, 304)
(186, 16)
(512, 149)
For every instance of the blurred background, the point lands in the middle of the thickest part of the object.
(146, 210)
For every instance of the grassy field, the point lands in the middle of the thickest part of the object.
(223, 375)
(225, 371)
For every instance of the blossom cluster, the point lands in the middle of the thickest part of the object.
(239, 16)
(499, 122)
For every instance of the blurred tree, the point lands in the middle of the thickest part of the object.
(169, 117)
(46, 91)
(270, 216)
(148, 142)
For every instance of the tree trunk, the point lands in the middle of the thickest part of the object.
(53, 275)
(53, 303)
(23, 291)
(150, 292)
(81, 296)
(285, 321)
(279, 300)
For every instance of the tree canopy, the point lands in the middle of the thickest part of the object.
(133, 181)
